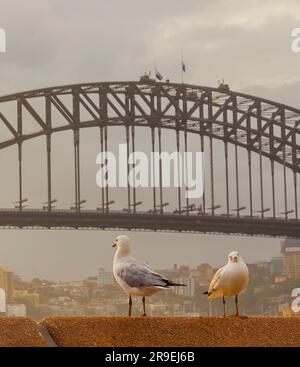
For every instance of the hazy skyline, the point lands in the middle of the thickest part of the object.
(54, 43)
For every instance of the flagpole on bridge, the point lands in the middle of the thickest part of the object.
(181, 66)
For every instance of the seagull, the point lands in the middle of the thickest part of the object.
(230, 280)
(136, 278)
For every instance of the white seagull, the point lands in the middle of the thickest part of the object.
(230, 280)
(136, 278)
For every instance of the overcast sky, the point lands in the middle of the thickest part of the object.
(62, 42)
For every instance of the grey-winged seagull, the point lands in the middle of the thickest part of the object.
(135, 277)
(230, 280)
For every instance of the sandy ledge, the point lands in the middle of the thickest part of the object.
(174, 331)
(20, 332)
(150, 331)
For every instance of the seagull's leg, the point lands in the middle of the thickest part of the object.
(224, 306)
(237, 308)
(144, 306)
(236, 305)
(130, 304)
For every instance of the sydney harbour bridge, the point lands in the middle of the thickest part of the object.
(253, 142)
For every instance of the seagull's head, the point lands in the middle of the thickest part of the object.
(234, 257)
(122, 243)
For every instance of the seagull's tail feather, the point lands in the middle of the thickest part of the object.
(173, 284)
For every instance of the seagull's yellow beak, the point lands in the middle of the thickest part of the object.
(114, 244)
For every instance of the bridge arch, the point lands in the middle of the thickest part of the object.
(196, 109)
(269, 129)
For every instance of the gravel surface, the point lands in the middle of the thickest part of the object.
(174, 331)
(19, 332)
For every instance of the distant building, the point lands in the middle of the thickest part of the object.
(105, 277)
(7, 283)
(188, 290)
(279, 279)
(290, 244)
(158, 309)
(16, 310)
(276, 265)
(2, 301)
(23, 295)
(183, 271)
(291, 258)
(205, 272)
(259, 269)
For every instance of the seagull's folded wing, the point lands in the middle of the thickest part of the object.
(139, 275)
(215, 281)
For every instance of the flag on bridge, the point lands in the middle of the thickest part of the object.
(158, 75)
(183, 66)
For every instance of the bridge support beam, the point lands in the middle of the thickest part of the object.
(77, 170)
(102, 150)
(226, 178)
(128, 168)
(273, 189)
(20, 131)
(248, 123)
(259, 131)
(201, 133)
(76, 120)
(225, 128)
(178, 168)
(20, 177)
(250, 183)
(185, 124)
(294, 157)
(48, 148)
(237, 188)
(49, 179)
(211, 152)
(133, 152)
(153, 169)
(296, 195)
(103, 116)
(160, 171)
